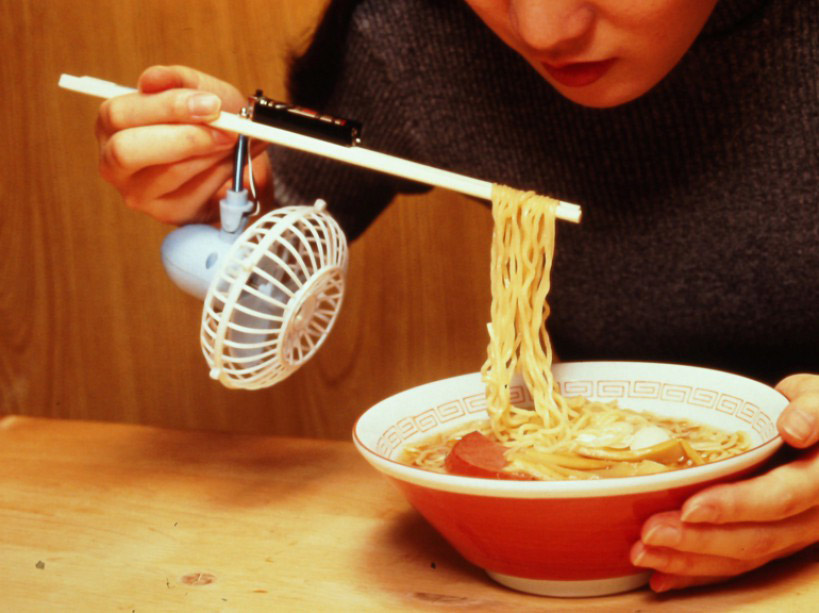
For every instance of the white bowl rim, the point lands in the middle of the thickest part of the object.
(571, 489)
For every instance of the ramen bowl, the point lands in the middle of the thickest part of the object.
(565, 538)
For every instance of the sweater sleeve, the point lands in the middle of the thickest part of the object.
(357, 84)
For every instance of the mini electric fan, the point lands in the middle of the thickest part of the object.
(272, 291)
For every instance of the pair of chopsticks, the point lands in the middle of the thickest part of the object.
(359, 156)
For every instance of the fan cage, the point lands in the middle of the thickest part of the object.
(275, 298)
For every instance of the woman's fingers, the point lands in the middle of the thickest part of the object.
(196, 200)
(662, 582)
(160, 78)
(158, 181)
(793, 385)
(168, 107)
(699, 568)
(782, 492)
(687, 564)
(157, 150)
(740, 541)
(129, 151)
(799, 422)
(174, 193)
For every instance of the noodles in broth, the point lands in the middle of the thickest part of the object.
(557, 438)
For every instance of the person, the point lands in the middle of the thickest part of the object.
(687, 130)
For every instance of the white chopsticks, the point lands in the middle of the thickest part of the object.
(358, 156)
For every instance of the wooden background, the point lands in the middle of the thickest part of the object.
(90, 327)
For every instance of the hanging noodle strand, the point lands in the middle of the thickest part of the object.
(523, 245)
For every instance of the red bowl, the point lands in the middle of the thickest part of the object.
(565, 538)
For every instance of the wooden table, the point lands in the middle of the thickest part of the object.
(110, 517)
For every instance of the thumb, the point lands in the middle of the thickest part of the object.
(160, 78)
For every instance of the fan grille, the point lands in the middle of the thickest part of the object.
(276, 297)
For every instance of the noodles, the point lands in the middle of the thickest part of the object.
(558, 437)
(601, 445)
(522, 249)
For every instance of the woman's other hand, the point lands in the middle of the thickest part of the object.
(729, 529)
(156, 150)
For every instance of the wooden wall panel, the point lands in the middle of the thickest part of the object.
(90, 327)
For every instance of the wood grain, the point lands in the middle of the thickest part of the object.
(112, 517)
(90, 327)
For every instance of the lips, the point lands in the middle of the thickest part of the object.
(579, 74)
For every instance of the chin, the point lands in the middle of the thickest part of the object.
(600, 96)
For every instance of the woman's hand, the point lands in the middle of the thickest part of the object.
(156, 150)
(729, 529)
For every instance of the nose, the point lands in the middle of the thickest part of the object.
(555, 28)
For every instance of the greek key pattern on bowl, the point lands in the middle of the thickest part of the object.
(671, 392)
(599, 389)
(474, 404)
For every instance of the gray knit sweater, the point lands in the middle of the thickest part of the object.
(700, 237)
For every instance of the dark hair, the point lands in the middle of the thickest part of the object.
(313, 72)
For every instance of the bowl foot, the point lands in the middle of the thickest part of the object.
(572, 589)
